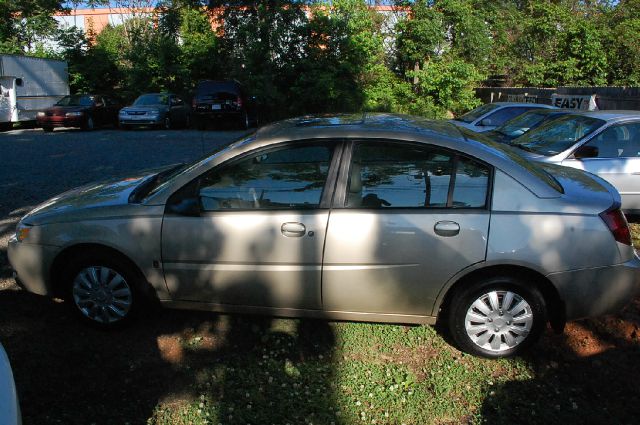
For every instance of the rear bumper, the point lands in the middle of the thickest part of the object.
(598, 291)
(218, 114)
(31, 263)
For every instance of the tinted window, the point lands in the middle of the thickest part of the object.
(76, 100)
(619, 141)
(409, 176)
(505, 114)
(277, 179)
(152, 99)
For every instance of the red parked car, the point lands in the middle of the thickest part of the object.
(86, 111)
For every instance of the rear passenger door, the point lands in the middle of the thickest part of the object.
(406, 218)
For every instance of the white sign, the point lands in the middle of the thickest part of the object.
(522, 98)
(572, 101)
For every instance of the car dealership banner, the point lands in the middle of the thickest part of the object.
(572, 101)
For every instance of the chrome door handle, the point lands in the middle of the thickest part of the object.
(293, 230)
(446, 228)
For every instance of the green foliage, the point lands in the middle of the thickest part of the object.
(321, 56)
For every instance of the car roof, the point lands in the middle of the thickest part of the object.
(532, 105)
(612, 115)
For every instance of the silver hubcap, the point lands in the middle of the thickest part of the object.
(90, 123)
(102, 294)
(499, 320)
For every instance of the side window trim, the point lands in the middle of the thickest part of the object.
(339, 201)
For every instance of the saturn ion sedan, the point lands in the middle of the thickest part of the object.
(379, 218)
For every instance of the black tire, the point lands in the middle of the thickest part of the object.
(89, 125)
(508, 328)
(47, 129)
(202, 124)
(166, 123)
(244, 121)
(131, 277)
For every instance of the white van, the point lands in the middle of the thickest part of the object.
(28, 85)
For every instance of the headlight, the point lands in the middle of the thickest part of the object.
(74, 114)
(22, 231)
(123, 113)
(41, 114)
(153, 113)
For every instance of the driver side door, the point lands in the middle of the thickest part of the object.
(258, 236)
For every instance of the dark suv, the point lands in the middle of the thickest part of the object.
(223, 101)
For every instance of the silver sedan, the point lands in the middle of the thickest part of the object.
(606, 143)
(380, 218)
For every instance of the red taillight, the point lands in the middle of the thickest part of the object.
(617, 223)
(193, 103)
(239, 101)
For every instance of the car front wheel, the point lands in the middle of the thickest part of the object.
(497, 317)
(103, 292)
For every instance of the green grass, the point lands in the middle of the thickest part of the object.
(345, 373)
(297, 372)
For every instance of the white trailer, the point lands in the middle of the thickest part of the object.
(29, 85)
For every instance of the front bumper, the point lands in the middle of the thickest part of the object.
(141, 120)
(57, 121)
(32, 263)
(598, 291)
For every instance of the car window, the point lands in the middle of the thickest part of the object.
(476, 113)
(618, 141)
(558, 135)
(505, 114)
(285, 178)
(408, 176)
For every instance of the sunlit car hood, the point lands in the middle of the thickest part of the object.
(93, 199)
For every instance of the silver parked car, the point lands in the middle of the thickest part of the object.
(380, 218)
(9, 407)
(606, 143)
(491, 115)
(163, 110)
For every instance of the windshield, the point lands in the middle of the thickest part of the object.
(558, 135)
(474, 114)
(521, 124)
(152, 99)
(76, 100)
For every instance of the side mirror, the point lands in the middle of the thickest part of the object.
(585, 151)
(486, 122)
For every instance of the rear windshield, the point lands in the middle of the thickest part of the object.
(474, 114)
(558, 135)
(509, 152)
(209, 87)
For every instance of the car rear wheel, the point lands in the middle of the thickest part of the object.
(47, 129)
(103, 292)
(497, 317)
